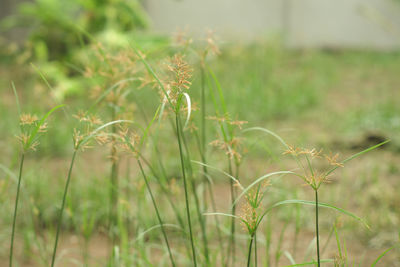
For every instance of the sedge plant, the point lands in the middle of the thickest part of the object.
(31, 127)
(80, 142)
(314, 178)
(132, 143)
(174, 94)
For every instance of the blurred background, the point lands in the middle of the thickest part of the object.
(320, 73)
(307, 23)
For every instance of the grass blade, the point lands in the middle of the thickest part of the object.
(268, 132)
(321, 204)
(381, 255)
(36, 129)
(357, 154)
(309, 263)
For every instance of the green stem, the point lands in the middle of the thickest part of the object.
(178, 130)
(196, 198)
(62, 208)
(113, 213)
(249, 253)
(255, 250)
(203, 111)
(232, 245)
(16, 207)
(316, 226)
(167, 193)
(158, 214)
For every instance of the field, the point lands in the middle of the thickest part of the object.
(151, 184)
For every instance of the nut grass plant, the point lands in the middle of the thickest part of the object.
(231, 145)
(196, 197)
(257, 217)
(157, 212)
(314, 179)
(115, 70)
(175, 104)
(80, 143)
(161, 176)
(210, 48)
(132, 144)
(30, 130)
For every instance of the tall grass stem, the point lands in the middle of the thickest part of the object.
(178, 130)
(157, 212)
(16, 208)
(62, 208)
(249, 252)
(316, 226)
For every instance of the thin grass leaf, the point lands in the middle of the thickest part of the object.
(382, 254)
(151, 71)
(93, 133)
(9, 172)
(222, 101)
(17, 102)
(280, 139)
(48, 85)
(258, 180)
(357, 154)
(16, 98)
(36, 129)
(189, 108)
(219, 88)
(214, 168)
(142, 234)
(146, 132)
(289, 257)
(109, 90)
(224, 214)
(309, 263)
(338, 241)
(320, 204)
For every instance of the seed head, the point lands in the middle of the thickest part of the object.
(182, 73)
(333, 160)
(295, 151)
(43, 128)
(180, 38)
(27, 119)
(211, 43)
(313, 153)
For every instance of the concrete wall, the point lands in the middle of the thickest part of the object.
(303, 23)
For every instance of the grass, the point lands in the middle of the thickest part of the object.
(169, 177)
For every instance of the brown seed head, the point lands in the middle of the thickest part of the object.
(27, 119)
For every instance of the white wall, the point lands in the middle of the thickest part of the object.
(304, 23)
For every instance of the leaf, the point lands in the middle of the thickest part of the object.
(224, 214)
(16, 98)
(109, 89)
(320, 204)
(245, 190)
(93, 133)
(290, 257)
(309, 263)
(358, 154)
(142, 234)
(36, 129)
(189, 107)
(9, 172)
(268, 132)
(227, 174)
(381, 255)
(151, 71)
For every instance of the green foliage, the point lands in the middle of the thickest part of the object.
(60, 34)
(58, 28)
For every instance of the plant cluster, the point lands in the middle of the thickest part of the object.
(189, 194)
